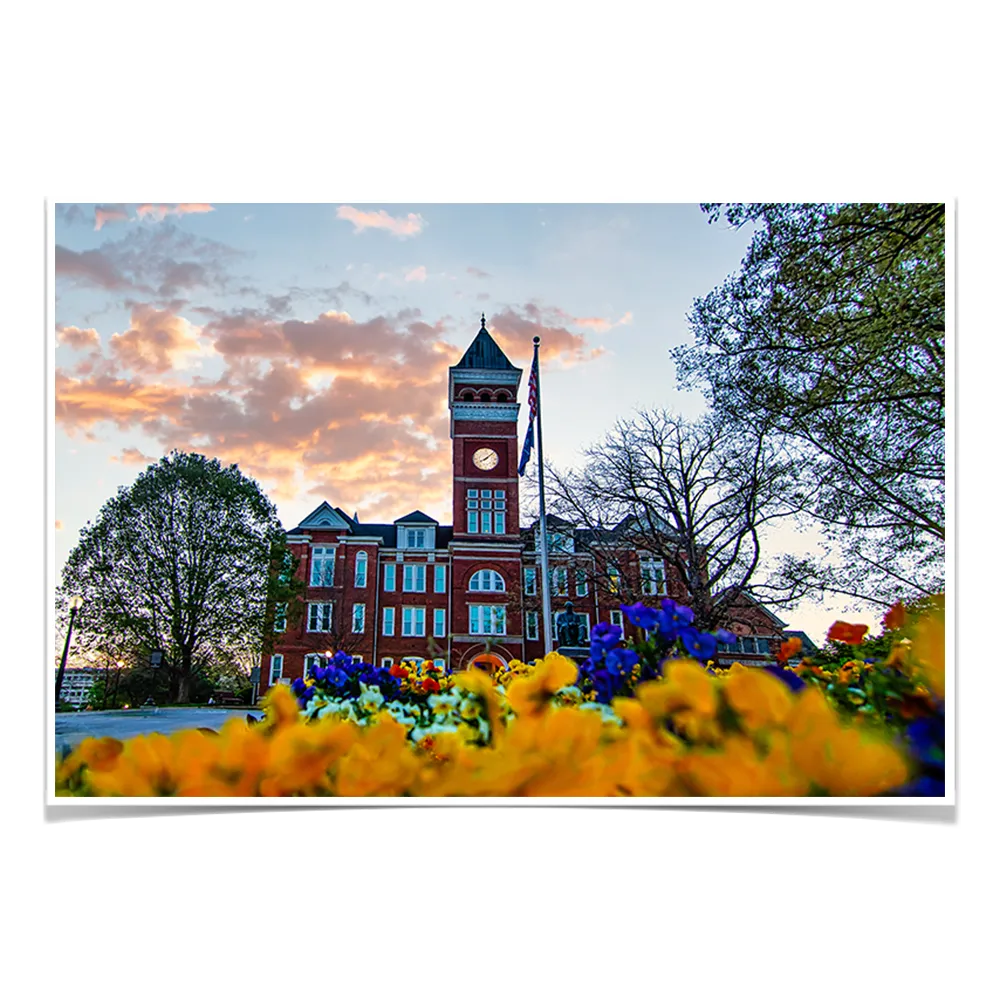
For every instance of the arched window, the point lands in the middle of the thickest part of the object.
(484, 396)
(468, 394)
(503, 396)
(486, 579)
(361, 570)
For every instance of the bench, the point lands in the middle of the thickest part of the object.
(223, 698)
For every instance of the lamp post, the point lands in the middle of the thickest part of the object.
(74, 606)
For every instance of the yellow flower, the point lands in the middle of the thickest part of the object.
(686, 686)
(761, 699)
(529, 695)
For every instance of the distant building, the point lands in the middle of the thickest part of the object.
(469, 592)
(76, 685)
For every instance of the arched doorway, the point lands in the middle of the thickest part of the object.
(488, 662)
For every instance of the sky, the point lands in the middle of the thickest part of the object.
(310, 343)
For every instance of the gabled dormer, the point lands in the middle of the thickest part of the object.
(327, 518)
(416, 530)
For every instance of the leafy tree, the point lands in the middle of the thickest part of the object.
(697, 495)
(832, 333)
(187, 561)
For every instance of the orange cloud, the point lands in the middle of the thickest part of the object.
(411, 225)
(109, 213)
(76, 338)
(157, 341)
(515, 334)
(601, 325)
(159, 212)
(59, 525)
(417, 274)
(132, 456)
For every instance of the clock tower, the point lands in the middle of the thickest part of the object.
(482, 397)
(486, 549)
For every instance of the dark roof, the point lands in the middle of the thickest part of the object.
(484, 353)
(416, 516)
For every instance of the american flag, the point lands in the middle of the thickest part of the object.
(529, 438)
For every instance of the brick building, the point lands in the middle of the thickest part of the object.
(469, 591)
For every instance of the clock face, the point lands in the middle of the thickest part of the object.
(485, 458)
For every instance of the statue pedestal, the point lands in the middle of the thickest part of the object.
(576, 653)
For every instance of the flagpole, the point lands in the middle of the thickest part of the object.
(543, 525)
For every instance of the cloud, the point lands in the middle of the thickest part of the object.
(411, 225)
(70, 214)
(153, 261)
(417, 274)
(157, 213)
(109, 213)
(59, 525)
(157, 341)
(89, 267)
(78, 339)
(132, 456)
(483, 296)
(601, 325)
(477, 273)
(515, 330)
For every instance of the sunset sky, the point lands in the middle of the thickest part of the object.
(310, 343)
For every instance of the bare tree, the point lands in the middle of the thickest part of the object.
(695, 494)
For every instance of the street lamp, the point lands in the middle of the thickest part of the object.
(75, 603)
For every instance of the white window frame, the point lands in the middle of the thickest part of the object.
(357, 658)
(318, 658)
(386, 662)
(582, 588)
(652, 572)
(322, 556)
(280, 617)
(325, 622)
(440, 623)
(416, 538)
(358, 621)
(490, 576)
(412, 573)
(361, 570)
(487, 619)
(531, 624)
(277, 666)
(390, 577)
(413, 618)
(616, 619)
(440, 662)
(440, 578)
(388, 621)
(530, 581)
(560, 581)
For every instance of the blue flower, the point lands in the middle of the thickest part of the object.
(678, 614)
(699, 644)
(789, 677)
(621, 661)
(724, 635)
(639, 614)
(605, 635)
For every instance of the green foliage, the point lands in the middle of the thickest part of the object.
(833, 333)
(187, 560)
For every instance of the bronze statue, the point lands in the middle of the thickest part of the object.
(569, 627)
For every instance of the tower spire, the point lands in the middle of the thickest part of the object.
(484, 321)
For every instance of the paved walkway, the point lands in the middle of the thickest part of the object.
(72, 727)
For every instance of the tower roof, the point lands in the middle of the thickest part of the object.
(484, 353)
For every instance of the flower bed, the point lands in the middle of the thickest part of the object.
(650, 719)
